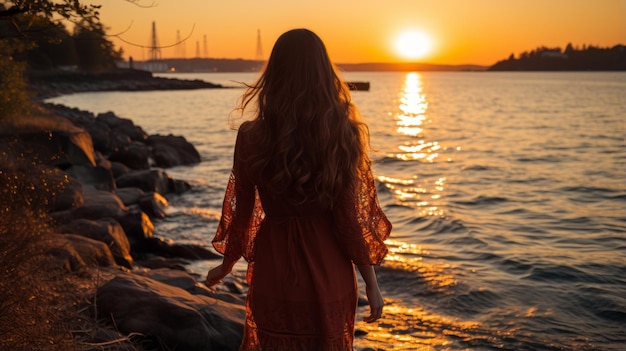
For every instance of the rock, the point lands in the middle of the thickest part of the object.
(138, 228)
(234, 287)
(76, 252)
(119, 169)
(177, 318)
(100, 204)
(69, 198)
(96, 177)
(177, 278)
(55, 142)
(135, 156)
(151, 180)
(113, 121)
(135, 133)
(170, 151)
(102, 161)
(118, 142)
(106, 230)
(163, 248)
(178, 186)
(101, 136)
(130, 196)
(99, 131)
(153, 204)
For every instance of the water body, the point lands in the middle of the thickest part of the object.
(507, 192)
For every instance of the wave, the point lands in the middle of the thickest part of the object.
(545, 159)
(482, 200)
(561, 273)
(478, 168)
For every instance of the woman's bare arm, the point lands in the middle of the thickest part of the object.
(374, 297)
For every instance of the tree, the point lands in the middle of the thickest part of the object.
(34, 32)
(95, 52)
(56, 11)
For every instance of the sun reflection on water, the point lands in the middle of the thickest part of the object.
(409, 258)
(411, 121)
(413, 326)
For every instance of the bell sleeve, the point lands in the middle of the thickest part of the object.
(242, 212)
(362, 227)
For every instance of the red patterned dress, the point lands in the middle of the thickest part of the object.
(302, 288)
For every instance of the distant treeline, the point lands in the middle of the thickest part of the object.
(587, 58)
(44, 44)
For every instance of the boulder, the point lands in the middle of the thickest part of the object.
(177, 318)
(130, 196)
(76, 252)
(118, 169)
(101, 136)
(177, 278)
(138, 228)
(153, 204)
(164, 248)
(150, 180)
(118, 142)
(100, 204)
(53, 141)
(135, 133)
(102, 161)
(113, 121)
(100, 132)
(135, 156)
(106, 230)
(96, 177)
(170, 151)
(70, 197)
(178, 186)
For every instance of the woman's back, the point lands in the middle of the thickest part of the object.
(301, 205)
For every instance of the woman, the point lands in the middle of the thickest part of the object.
(301, 205)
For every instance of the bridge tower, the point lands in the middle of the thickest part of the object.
(259, 48)
(155, 51)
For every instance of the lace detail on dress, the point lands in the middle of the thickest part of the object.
(242, 215)
(362, 225)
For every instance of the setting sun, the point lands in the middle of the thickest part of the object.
(412, 44)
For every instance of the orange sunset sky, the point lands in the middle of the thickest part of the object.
(355, 31)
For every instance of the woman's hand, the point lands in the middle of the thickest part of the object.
(375, 299)
(216, 274)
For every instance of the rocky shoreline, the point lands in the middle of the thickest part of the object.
(115, 186)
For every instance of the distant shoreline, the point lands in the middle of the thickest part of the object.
(207, 65)
(546, 63)
(48, 84)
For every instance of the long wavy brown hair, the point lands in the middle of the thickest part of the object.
(309, 141)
